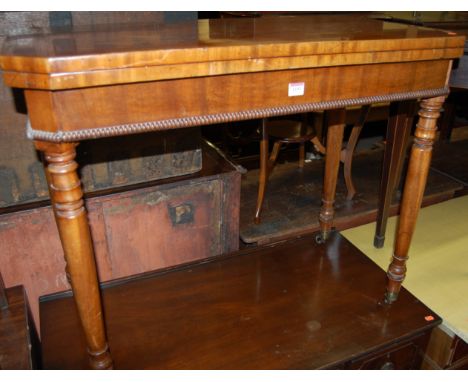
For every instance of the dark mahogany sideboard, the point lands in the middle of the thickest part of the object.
(291, 305)
(121, 79)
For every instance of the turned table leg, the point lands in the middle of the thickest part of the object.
(416, 177)
(399, 127)
(72, 222)
(335, 131)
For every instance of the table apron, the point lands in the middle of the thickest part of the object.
(77, 114)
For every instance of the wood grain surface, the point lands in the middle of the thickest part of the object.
(19, 345)
(123, 53)
(294, 305)
(126, 226)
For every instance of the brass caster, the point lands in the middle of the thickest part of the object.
(320, 238)
(390, 297)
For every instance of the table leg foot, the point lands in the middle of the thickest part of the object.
(100, 360)
(319, 239)
(390, 298)
(379, 241)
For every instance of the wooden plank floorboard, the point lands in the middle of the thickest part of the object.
(292, 305)
(293, 198)
(451, 159)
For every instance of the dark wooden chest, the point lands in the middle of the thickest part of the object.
(136, 230)
(294, 305)
(19, 344)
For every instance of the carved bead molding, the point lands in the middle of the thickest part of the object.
(133, 128)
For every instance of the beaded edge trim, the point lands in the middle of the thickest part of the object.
(133, 128)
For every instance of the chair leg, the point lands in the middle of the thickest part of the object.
(273, 156)
(398, 132)
(263, 175)
(348, 154)
(318, 145)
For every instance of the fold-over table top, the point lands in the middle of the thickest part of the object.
(110, 54)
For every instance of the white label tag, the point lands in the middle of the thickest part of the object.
(296, 89)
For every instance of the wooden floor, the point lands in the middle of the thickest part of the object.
(293, 197)
(451, 160)
(296, 305)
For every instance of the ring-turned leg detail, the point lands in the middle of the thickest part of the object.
(72, 223)
(418, 169)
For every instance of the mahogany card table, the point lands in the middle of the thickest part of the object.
(116, 80)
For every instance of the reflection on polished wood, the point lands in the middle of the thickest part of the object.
(293, 305)
(448, 20)
(119, 80)
(123, 53)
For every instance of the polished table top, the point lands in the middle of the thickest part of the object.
(128, 53)
(449, 21)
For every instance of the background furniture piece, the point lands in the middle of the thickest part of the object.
(22, 181)
(292, 305)
(19, 343)
(282, 131)
(445, 351)
(292, 203)
(459, 95)
(457, 22)
(187, 218)
(196, 64)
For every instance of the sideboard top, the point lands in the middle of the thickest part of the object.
(110, 54)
